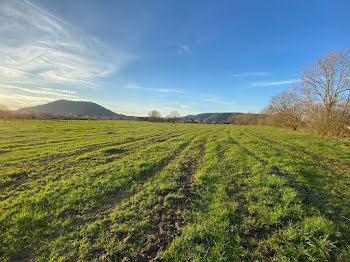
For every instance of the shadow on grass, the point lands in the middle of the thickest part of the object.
(113, 151)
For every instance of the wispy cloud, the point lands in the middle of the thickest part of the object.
(247, 74)
(165, 90)
(43, 91)
(38, 48)
(218, 100)
(18, 100)
(160, 90)
(274, 83)
(184, 49)
(183, 106)
(15, 101)
(16, 96)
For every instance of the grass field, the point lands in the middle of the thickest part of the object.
(138, 191)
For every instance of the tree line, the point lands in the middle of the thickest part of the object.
(155, 116)
(319, 102)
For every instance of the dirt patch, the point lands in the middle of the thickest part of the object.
(167, 220)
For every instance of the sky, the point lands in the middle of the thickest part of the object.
(136, 56)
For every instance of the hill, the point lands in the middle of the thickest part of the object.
(219, 116)
(212, 116)
(235, 117)
(76, 108)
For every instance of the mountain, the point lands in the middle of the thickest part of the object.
(237, 117)
(213, 116)
(76, 108)
(90, 109)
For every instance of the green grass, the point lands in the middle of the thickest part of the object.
(138, 191)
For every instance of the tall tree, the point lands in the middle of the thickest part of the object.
(173, 116)
(326, 88)
(285, 110)
(327, 82)
(4, 112)
(154, 116)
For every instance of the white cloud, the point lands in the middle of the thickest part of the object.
(183, 106)
(274, 83)
(61, 90)
(15, 101)
(218, 100)
(247, 74)
(133, 86)
(43, 91)
(160, 90)
(165, 90)
(184, 49)
(38, 48)
(16, 97)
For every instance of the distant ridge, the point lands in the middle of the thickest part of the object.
(213, 116)
(76, 108)
(89, 109)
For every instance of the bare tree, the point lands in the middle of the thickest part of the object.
(320, 102)
(173, 116)
(3, 107)
(250, 119)
(231, 119)
(327, 82)
(285, 110)
(326, 89)
(236, 119)
(154, 116)
(244, 119)
(4, 111)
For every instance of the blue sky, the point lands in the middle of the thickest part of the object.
(136, 56)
